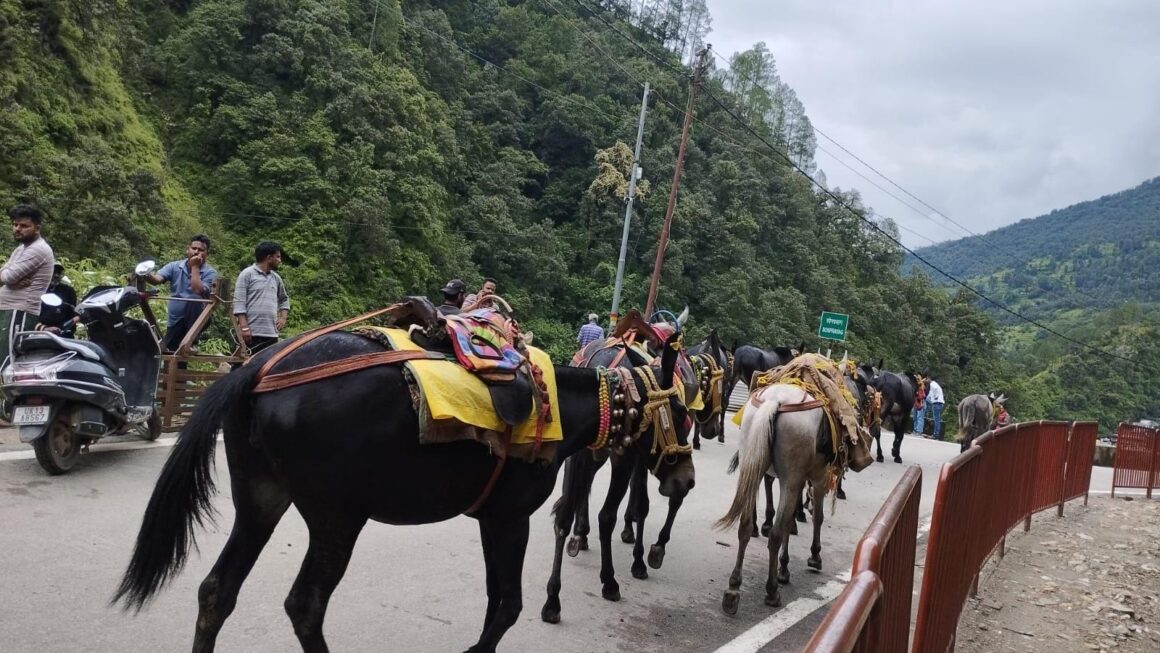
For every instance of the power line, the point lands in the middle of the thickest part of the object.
(841, 202)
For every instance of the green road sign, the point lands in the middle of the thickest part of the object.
(832, 326)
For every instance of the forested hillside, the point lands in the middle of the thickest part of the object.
(1095, 254)
(390, 146)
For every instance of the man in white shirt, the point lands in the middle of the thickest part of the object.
(935, 401)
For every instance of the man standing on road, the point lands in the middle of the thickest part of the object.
(25, 277)
(589, 332)
(261, 303)
(188, 278)
(935, 399)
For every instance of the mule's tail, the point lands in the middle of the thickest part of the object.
(966, 418)
(182, 497)
(754, 461)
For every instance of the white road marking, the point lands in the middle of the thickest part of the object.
(771, 627)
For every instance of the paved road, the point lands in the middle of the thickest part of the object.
(65, 540)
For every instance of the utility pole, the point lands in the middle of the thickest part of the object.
(663, 243)
(633, 175)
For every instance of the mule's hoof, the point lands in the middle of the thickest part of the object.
(783, 576)
(573, 548)
(656, 556)
(550, 614)
(755, 532)
(696, 445)
(765, 528)
(627, 536)
(880, 458)
(841, 494)
(611, 592)
(800, 516)
(774, 600)
(898, 459)
(815, 563)
(721, 438)
(793, 528)
(639, 571)
(729, 602)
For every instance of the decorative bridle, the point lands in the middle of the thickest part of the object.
(621, 424)
(710, 377)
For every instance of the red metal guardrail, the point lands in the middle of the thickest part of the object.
(1015, 472)
(873, 613)
(1137, 458)
(1003, 479)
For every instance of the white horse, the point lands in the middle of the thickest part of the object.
(795, 446)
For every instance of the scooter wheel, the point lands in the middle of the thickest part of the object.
(150, 430)
(58, 450)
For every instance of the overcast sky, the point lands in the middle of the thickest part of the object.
(989, 110)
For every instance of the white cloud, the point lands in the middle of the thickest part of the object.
(991, 110)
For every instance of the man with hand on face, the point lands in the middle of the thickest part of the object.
(481, 298)
(188, 278)
(261, 303)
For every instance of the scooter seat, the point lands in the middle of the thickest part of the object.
(29, 341)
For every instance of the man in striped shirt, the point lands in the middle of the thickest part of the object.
(589, 332)
(261, 303)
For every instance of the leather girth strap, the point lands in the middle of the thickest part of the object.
(301, 340)
(499, 465)
(305, 375)
(795, 408)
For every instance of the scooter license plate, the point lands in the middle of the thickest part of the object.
(30, 415)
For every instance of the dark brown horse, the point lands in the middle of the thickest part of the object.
(345, 450)
(629, 467)
(714, 355)
(897, 401)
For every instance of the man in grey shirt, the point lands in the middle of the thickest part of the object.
(261, 303)
(25, 277)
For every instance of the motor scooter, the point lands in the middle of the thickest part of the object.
(67, 394)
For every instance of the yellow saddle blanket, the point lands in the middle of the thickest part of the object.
(450, 393)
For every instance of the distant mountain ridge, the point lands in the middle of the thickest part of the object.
(1094, 254)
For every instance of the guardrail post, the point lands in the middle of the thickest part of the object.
(1152, 463)
(1067, 445)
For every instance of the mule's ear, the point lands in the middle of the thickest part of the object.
(1001, 400)
(669, 356)
(801, 348)
(683, 317)
(880, 362)
(733, 347)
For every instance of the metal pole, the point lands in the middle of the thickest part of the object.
(632, 175)
(663, 243)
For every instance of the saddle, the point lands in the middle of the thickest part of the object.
(484, 342)
(489, 345)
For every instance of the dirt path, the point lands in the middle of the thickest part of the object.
(1087, 582)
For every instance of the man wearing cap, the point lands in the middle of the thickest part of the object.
(453, 294)
(590, 331)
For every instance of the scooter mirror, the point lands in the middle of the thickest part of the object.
(50, 299)
(145, 267)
